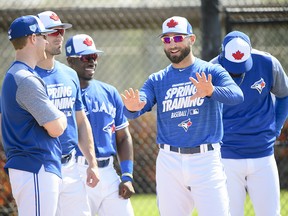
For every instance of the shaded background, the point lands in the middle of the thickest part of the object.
(127, 30)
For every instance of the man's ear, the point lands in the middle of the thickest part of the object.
(193, 38)
(32, 38)
(69, 60)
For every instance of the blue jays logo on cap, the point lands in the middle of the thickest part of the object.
(27, 25)
(81, 44)
(176, 24)
(236, 53)
(51, 20)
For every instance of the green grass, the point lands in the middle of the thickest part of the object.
(145, 205)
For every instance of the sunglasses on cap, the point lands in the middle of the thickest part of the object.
(176, 38)
(87, 58)
(58, 31)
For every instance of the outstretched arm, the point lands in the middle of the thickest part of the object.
(227, 92)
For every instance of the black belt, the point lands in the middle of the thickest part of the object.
(66, 158)
(103, 163)
(187, 150)
(100, 163)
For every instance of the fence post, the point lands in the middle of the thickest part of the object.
(210, 28)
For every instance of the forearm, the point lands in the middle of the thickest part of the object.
(230, 95)
(125, 153)
(125, 148)
(86, 143)
(281, 112)
(56, 127)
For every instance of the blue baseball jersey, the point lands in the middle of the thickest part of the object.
(64, 91)
(104, 109)
(182, 122)
(25, 109)
(249, 127)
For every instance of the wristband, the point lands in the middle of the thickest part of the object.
(127, 177)
(126, 170)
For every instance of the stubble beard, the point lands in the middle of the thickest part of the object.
(177, 59)
(53, 51)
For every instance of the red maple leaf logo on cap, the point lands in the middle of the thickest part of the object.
(238, 55)
(88, 42)
(54, 17)
(172, 23)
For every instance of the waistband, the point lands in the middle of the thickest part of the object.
(66, 158)
(188, 150)
(101, 163)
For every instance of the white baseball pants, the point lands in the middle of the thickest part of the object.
(104, 199)
(35, 194)
(73, 199)
(260, 177)
(185, 181)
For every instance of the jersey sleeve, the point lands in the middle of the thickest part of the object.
(31, 96)
(280, 80)
(120, 119)
(147, 94)
(226, 90)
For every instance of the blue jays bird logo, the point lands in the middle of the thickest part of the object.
(185, 124)
(259, 85)
(110, 128)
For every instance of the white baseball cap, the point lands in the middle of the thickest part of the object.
(51, 20)
(176, 24)
(81, 44)
(236, 53)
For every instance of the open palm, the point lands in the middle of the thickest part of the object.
(203, 85)
(131, 100)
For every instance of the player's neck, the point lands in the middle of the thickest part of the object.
(26, 57)
(47, 64)
(84, 83)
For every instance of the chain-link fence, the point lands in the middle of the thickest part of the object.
(127, 30)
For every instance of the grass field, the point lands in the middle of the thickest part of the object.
(145, 205)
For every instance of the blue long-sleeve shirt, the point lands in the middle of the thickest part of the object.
(251, 128)
(180, 121)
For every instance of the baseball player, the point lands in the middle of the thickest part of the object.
(251, 128)
(31, 124)
(104, 109)
(189, 94)
(64, 90)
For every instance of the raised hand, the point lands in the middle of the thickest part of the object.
(203, 85)
(131, 100)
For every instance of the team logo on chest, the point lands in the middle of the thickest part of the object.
(259, 85)
(110, 128)
(185, 124)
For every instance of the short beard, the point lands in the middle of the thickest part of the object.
(55, 51)
(177, 59)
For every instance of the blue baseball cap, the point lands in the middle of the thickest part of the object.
(81, 44)
(176, 24)
(27, 25)
(236, 53)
